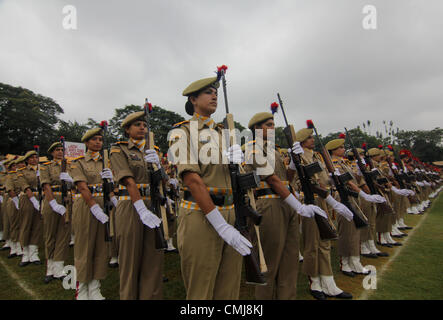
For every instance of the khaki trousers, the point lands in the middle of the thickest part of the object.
(280, 239)
(31, 223)
(140, 264)
(316, 252)
(90, 248)
(348, 243)
(14, 220)
(370, 211)
(56, 232)
(211, 269)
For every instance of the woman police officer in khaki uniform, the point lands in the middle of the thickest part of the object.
(31, 219)
(90, 248)
(348, 235)
(140, 263)
(56, 231)
(210, 247)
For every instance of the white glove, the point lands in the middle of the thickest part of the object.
(308, 211)
(234, 154)
(394, 166)
(114, 201)
(427, 183)
(15, 200)
(1, 199)
(152, 157)
(363, 161)
(173, 182)
(420, 184)
(99, 214)
(147, 217)
(38, 173)
(64, 176)
(372, 197)
(297, 149)
(228, 233)
(411, 192)
(340, 208)
(57, 207)
(401, 192)
(416, 170)
(107, 174)
(35, 203)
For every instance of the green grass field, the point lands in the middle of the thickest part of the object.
(414, 274)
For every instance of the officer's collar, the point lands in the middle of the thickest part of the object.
(203, 121)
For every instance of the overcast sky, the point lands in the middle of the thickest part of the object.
(316, 53)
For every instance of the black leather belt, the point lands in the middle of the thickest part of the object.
(144, 192)
(219, 200)
(267, 192)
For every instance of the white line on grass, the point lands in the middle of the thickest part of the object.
(366, 293)
(17, 279)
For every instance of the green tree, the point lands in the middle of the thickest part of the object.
(71, 131)
(26, 119)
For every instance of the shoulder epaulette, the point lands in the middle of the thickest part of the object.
(21, 169)
(11, 172)
(179, 124)
(118, 143)
(46, 163)
(253, 141)
(75, 159)
(334, 160)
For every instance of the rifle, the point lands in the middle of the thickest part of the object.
(64, 183)
(158, 199)
(39, 187)
(108, 186)
(305, 174)
(381, 207)
(242, 184)
(340, 181)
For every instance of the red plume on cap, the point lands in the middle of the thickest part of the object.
(310, 124)
(390, 147)
(364, 146)
(36, 146)
(274, 107)
(148, 105)
(380, 146)
(223, 67)
(342, 136)
(104, 123)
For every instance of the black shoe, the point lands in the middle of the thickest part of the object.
(71, 245)
(171, 251)
(5, 248)
(23, 264)
(401, 228)
(397, 236)
(319, 295)
(343, 295)
(362, 273)
(2, 240)
(10, 256)
(383, 254)
(407, 228)
(113, 265)
(165, 279)
(369, 255)
(384, 244)
(48, 279)
(38, 262)
(59, 278)
(397, 244)
(348, 273)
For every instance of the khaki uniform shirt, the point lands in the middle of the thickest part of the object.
(86, 169)
(209, 139)
(28, 178)
(128, 161)
(11, 183)
(50, 173)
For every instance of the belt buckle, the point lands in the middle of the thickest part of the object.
(229, 199)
